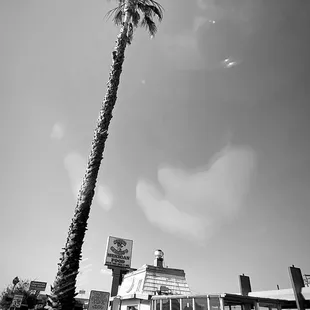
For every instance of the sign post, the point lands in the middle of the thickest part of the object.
(17, 301)
(118, 258)
(98, 300)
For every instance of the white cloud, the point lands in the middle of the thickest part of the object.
(195, 202)
(58, 131)
(202, 4)
(84, 259)
(104, 197)
(75, 164)
(216, 10)
(86, 267)
(105, 272)
(182, 49)
(160, 212)
(200, 21)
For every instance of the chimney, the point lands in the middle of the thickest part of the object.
(159, 258)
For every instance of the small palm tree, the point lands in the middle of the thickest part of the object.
(129, 14)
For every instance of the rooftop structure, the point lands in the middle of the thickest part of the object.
(152, 280)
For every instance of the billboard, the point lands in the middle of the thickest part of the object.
(98, 300)
(118, 252)
(37, 286)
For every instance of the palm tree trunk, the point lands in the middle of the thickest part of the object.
(63, 291)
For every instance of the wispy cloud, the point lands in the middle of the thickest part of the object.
(199, 21)
(83, 276)
(182, 49)
(164, 214)
(104, 197)
(106, 272)
(193, 203)
(58, 131)
(84, 259)
(202, 4)
(75, 164)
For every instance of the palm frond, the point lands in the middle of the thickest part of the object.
(118, 17)
(130, 33)
(148, 23)
(157, 9)
(117, 13)
(135, 18)
(148, 8)
(110, 13)
(145, 9)
(151, 8)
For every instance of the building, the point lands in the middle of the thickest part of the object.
(155, 287)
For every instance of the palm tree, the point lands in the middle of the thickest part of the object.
(129, 14)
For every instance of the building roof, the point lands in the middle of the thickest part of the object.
(287, 294)
(149, 280)
(238, 299)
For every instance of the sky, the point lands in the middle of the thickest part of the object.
(208, 156)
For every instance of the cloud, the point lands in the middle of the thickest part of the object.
(84, 259)
(160, 212)
(194, 203)
(200, 21)
(106, 272)
(204, 46)
(57, 132)
(202, 4)
(86, 267)
(76, 165)
(240, 11)
(104, 197)
(182, 49)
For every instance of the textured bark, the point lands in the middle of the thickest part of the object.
(63, 290)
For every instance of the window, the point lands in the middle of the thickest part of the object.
(175, 304)
(215, 303)
(201, 304)
(166, 304)
(187, 304)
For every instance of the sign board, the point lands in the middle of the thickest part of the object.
(37, 286)
(17, 301)
(98, 300)
(118, 252)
